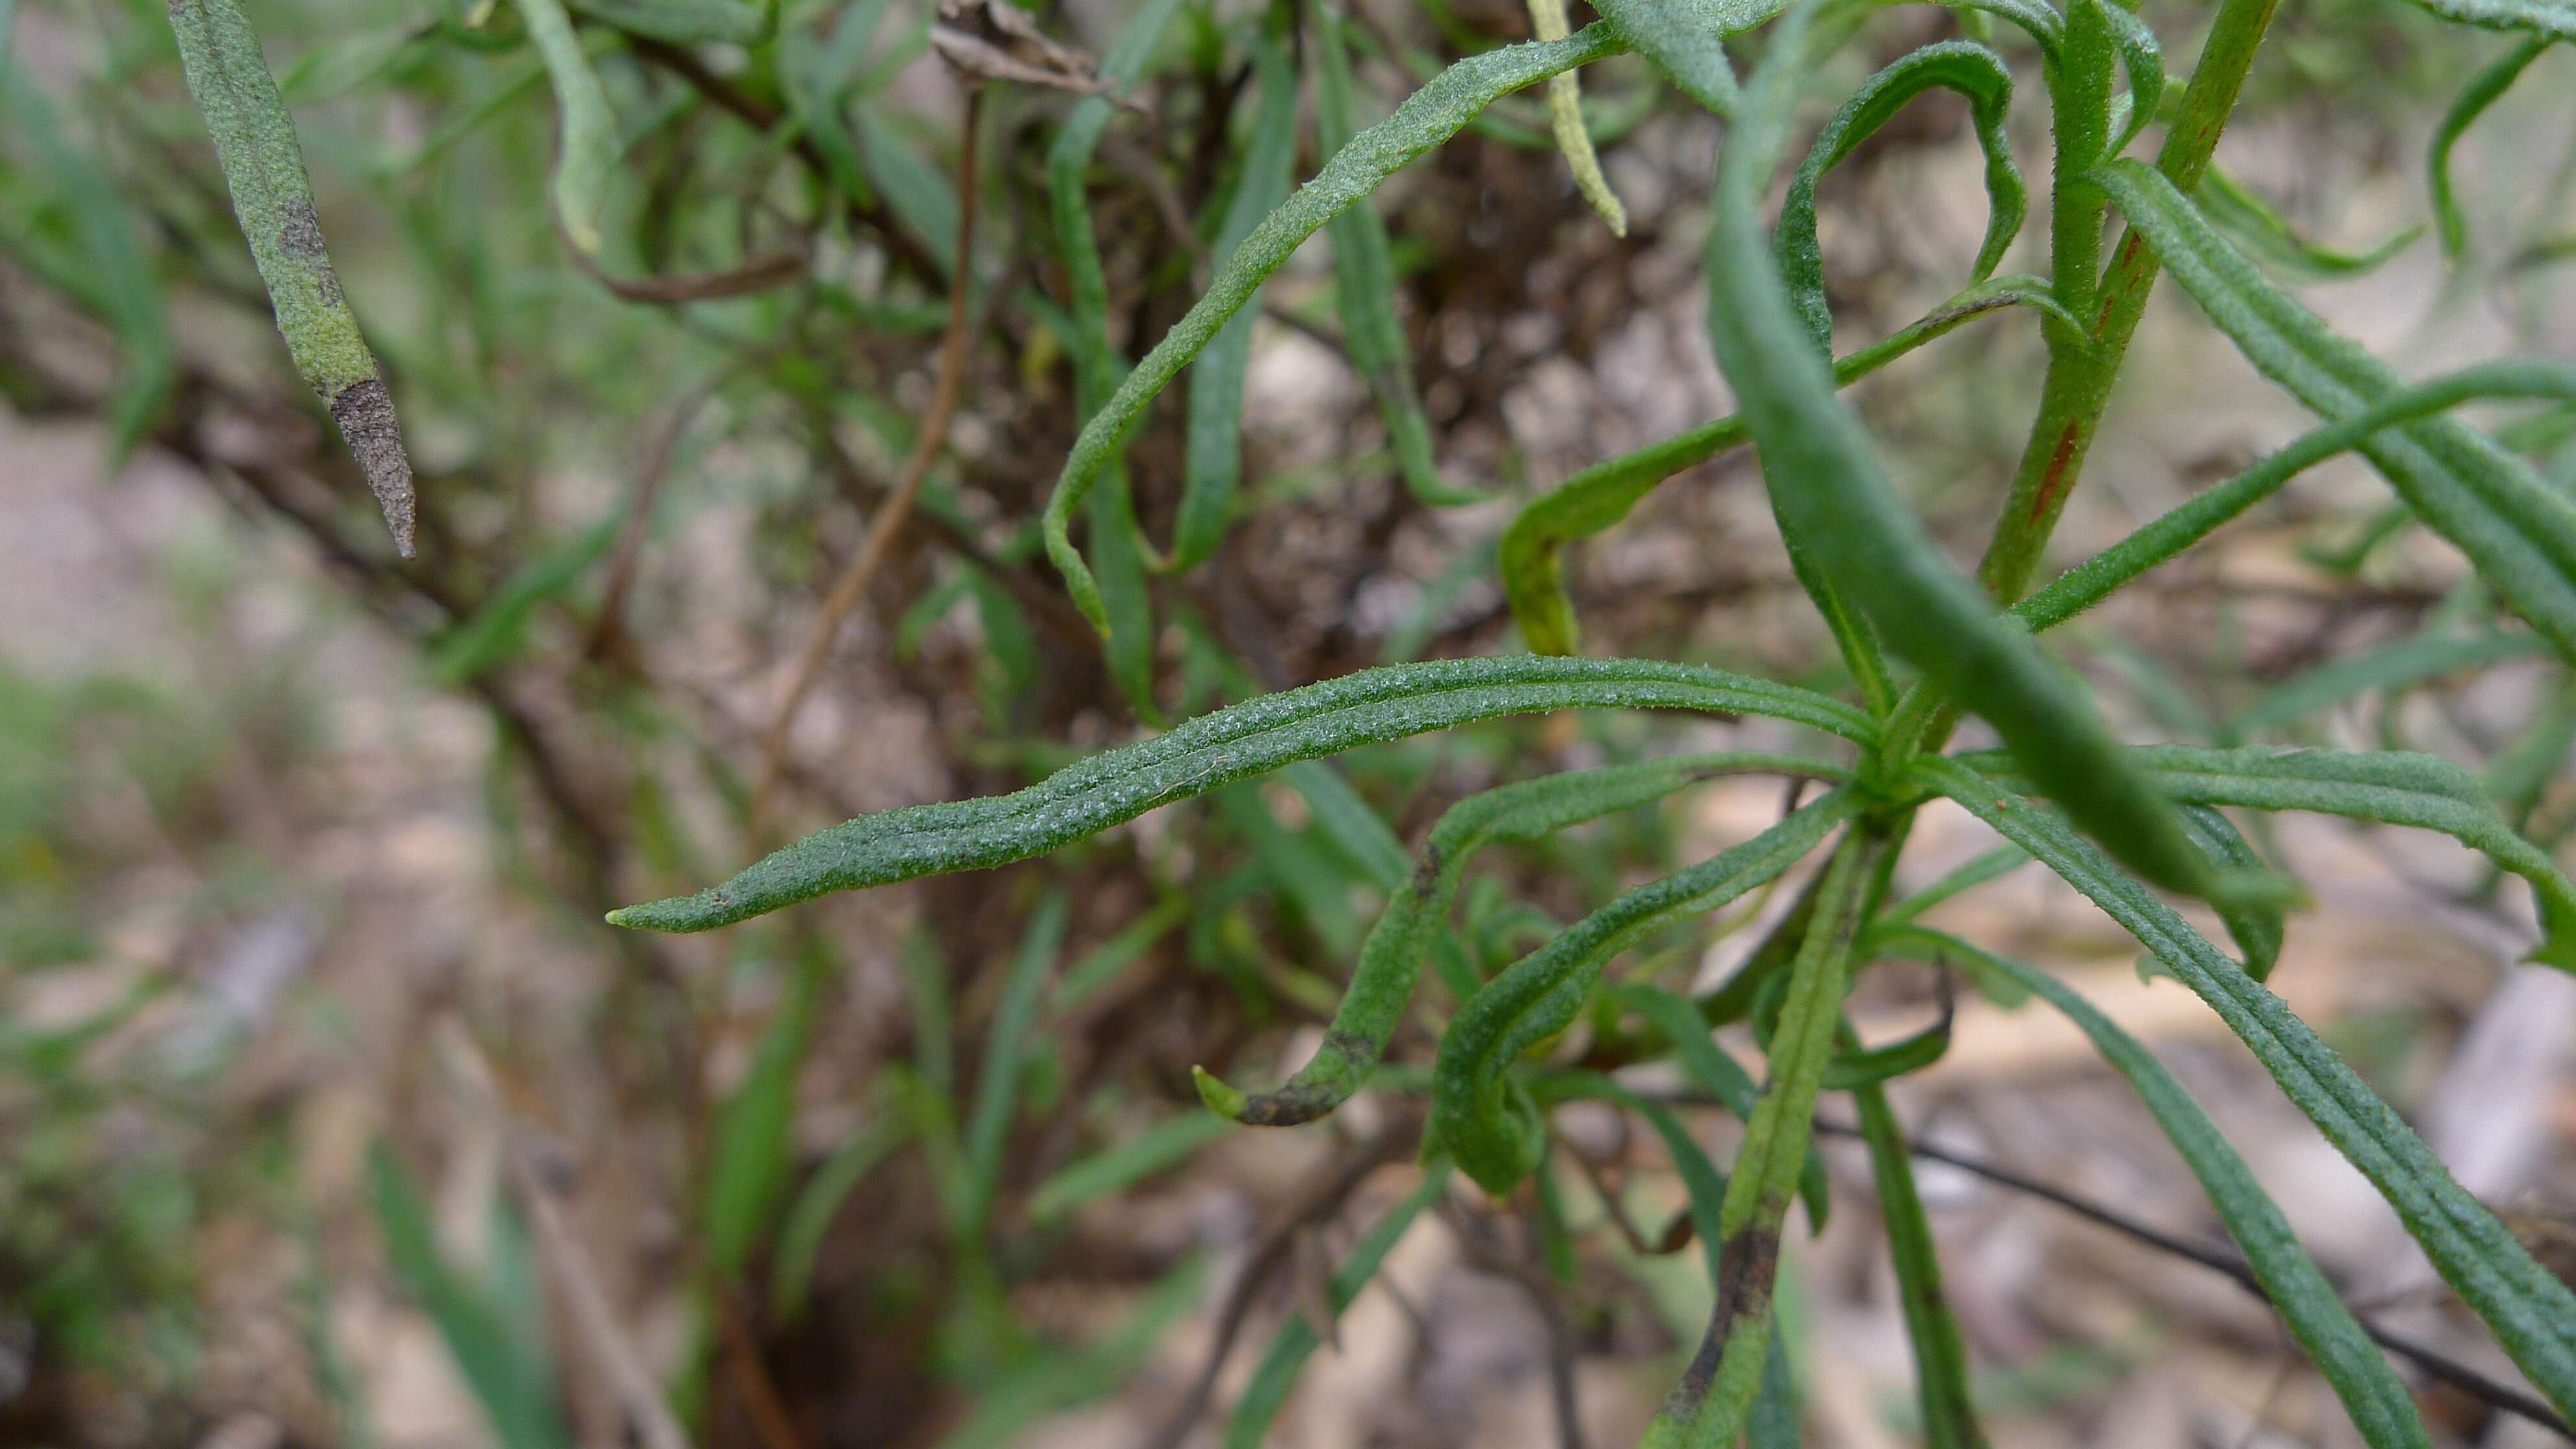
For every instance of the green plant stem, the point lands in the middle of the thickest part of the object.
(2081, 370)
(1707, 1409)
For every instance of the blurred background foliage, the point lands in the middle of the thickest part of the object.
(325, 1098)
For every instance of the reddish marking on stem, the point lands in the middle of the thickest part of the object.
(2053, 482)
(2120, 267)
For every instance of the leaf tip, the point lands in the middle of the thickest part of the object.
(1225, 1101)
(2246, 889)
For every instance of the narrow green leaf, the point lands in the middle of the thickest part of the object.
(923, 197)
(587, 144)
(691, 22)
(1296, 1341)
(264, 168)
(1346, 819)
(1084, 978)
(1565, 119)
(1601, 496)
(997, 1078)
(1428, 117)
(1364, 280)
(752, 1147)
(2250, 222)
(2256, 930)
(1976, 74)
(1702, 1184)
(1855, 1067)
(2532, 1314)
(2379, 1402)
(1119, 603)
(2097, 578)
(506, 1372)
(1480, 1114)
(1993, 865)
(2517, 530)
(1679, 1023)
(1249, 739)
(1158, 1149)
(2422, 792)
(1833, 500)
(1213, 454)
(494, 633)
(1940, 1358)
(1773, 1420)
(1390, 961)
(809, 1217)
(2414, 660)
(2484, 89)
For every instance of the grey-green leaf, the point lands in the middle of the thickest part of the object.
(587, 145)
(1213, 456)
(2483, 90)
(1975, 73)
(2532, 1314)
(1391, 959)
(1248, 739)
(1428, 117)
(1835, 503)
(2517, 530)
(264, 168)
(2380, 1405)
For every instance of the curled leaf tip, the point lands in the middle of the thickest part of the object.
(1221, 1099)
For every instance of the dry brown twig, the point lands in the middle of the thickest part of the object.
(878, 544)
(540, 1192)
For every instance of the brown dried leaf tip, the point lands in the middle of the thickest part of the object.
(988, 40)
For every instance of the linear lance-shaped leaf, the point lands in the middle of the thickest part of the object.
(2107, 572)
(1391, 959)
(1252, 738)
(1212, 459)
(1599, 497)
(1974, 72)
(1364, 281)
(2380, 1405)
(1479, 1112)
(1835, 503)
(2484, 90)
(587, 144)
(264, 168)
(1428, 117)
(2532, 1313)
(2517, 530)
(2422, 792)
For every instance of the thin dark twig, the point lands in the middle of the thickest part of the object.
(1320, 1202)
(1611, 1209)
(1489, 1258)
(609, 628)
(2434, 1363)
(878, 544)
(760, 274)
